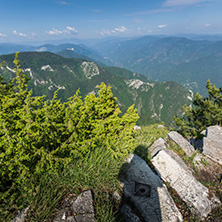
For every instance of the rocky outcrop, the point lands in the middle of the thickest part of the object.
(184, 144)
(173, 170)
(147, 193)
(212, 143)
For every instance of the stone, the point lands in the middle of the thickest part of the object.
(137, 128)
(116, 196)
(84, 203)
(147, 193)
(129, 216)
(78, 210)
(160, 126)
(212, 143)
(21, 216)
(157, 146)
(184, 144)
(173, 170)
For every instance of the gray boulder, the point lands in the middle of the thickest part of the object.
(79, 210)
(157, 146)
(21, 217)
(212, 143)
(184, 144)
(174, 171)
(147, 193)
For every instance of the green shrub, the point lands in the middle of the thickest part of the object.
(38, 136)
(205, 112)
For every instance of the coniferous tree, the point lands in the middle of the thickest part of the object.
(205, 112)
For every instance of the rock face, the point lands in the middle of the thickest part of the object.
(147, 193)
(212, 143)
(174, 171)
(185, 145)
(81, 210)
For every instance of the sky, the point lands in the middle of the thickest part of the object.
(41, 20)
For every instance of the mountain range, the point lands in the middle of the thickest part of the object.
(155, 101)
(188, 62)
(77, 51)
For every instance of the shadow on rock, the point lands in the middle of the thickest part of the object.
(145, 196)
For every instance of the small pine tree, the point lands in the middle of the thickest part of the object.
(205, 112)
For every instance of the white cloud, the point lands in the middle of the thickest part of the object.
(67, 30)
(19, 33)
(162, 26)
(2, 35)
(54, 31)
(70, 30)
(120, 29)
(64, 3)
(207, 25)
(183, 2)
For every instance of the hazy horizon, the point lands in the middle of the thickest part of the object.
(39, 21)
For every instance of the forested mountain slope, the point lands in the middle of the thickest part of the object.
(156, 101)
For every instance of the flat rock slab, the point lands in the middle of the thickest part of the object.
(147, 193)
(184, 144)
(173, 170)
(212, 143)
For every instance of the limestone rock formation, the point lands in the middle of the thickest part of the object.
(174, 171)
(184, 144)
(212, 143)
(147, 193)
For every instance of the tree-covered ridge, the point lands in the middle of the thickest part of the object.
(155, 101)
(207, 111)
(38, 136)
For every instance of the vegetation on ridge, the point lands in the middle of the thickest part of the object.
(40, 137)
(206, 112)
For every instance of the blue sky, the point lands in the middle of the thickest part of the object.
(39, 20)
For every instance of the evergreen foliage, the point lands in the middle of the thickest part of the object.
(38, 136)
(207, 111)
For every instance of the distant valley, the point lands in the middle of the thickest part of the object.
(188, 62)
